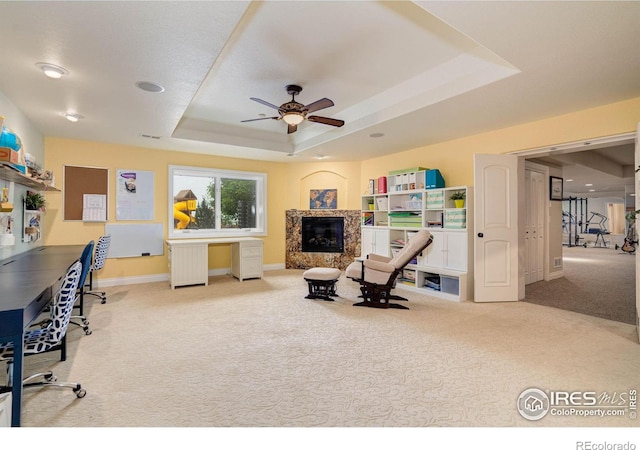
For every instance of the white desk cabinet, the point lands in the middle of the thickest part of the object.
(189, 259)
(188, 264)
(246, 259)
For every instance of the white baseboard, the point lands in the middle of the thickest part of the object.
(555, 275)
(122, 281)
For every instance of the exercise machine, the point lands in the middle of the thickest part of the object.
(574, 220)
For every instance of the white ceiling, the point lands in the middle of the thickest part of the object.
(418, 72)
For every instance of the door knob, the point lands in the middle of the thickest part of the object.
(480, 235)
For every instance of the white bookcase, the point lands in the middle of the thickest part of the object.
(445, 268)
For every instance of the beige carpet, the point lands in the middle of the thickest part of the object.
(600, 282)
(258, 353)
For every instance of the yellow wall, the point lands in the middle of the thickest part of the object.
(71, 152)
(289, 183)
(454, 158)
(345, 177)
(288, 187)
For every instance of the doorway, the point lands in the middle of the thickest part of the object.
(596, 277)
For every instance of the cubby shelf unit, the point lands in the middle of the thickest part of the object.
(445, 268)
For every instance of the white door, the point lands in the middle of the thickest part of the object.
(374, 240)
(381, 243)
(366, 245)
(434, 254)
(497, 274)
(456, 250)
(534, 226)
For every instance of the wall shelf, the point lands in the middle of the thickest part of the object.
(7, 173)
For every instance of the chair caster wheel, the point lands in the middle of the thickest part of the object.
(104, 300)
(87, 331)
(80, 393)
(50, 378)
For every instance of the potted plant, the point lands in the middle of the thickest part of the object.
(34, 201)
(371, 202)
(458, 198)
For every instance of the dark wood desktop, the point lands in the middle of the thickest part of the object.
(27, 283)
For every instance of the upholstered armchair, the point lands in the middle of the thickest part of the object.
(377, 274)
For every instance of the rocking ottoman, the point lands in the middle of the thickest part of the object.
(322, 282)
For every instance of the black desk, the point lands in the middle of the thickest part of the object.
(27, 282)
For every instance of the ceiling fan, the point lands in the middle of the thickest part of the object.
(293, 113)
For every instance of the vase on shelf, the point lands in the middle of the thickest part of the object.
(459, 203)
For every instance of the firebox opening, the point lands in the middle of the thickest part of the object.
(323, 234)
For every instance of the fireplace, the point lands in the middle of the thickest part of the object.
(297, 258)
(322, 234)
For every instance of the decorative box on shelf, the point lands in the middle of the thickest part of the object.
(455, 218)
(434, 179)
(435, 199)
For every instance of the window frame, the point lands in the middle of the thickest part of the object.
(261, 203)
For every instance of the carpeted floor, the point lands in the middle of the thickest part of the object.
(599, 282)
(258, 354)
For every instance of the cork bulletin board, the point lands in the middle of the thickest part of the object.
(78, 181)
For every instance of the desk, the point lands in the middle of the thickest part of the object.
(189, 259)
(28, 282)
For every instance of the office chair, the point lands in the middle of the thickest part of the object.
(51, 337)
(85, 259)
(102, 248)
(377, 274)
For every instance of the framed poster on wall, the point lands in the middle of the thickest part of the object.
(134, 195)
(555, 188)
(323, 199)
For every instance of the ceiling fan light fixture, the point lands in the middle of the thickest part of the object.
(293, 117)
(52, 71)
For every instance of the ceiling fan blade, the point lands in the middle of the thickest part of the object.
(326, 121)
(261, 118)
(292, 129)
(265, 103)
(318, 105)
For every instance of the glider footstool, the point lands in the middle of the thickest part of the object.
(322, 282)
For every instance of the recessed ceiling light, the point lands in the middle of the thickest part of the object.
(320, 157)
(376, 135)
(51, 70)
(569, 180)
(592, 190)
(73, 117)
(589, 184)
(149, 86)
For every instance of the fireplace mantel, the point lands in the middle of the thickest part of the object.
(296, 259)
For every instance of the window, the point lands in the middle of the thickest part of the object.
(216, 203)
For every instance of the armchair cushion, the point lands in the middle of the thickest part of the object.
(375, 257)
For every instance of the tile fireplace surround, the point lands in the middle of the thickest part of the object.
(296, 259)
